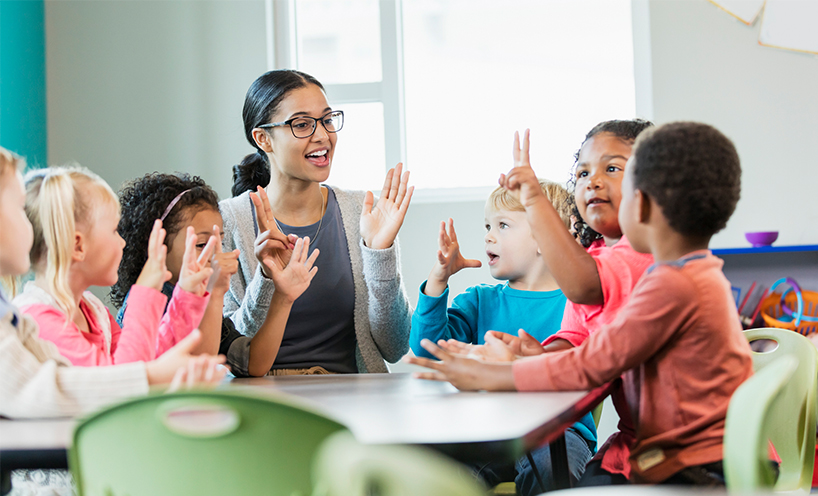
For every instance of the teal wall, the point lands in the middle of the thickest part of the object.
(23, 124)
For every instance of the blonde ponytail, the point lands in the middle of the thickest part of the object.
(57, 200)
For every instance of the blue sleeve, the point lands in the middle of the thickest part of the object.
(433, 321)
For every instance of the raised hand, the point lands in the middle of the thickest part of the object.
(449, 261)
(291, 281)
(224, 265)
(521, 181)
(380, 225)
(524, 344)
(195, 271)
(155, 273)
(464, 373)
(271, 244)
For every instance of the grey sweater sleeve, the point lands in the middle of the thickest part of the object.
(247, 301)
(390, 314)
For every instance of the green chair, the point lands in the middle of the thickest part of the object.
(344, 467)
(199, 443)
(789, 422)
(750, 425)
(794, 420)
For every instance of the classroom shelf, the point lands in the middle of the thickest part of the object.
(765, 249)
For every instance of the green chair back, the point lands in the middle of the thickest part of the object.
(344, 467)
(199, 443)
(792, 431)
(791, 419)
(750, 416)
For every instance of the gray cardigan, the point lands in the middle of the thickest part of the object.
(382, 314)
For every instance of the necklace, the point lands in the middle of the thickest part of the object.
(320, 221)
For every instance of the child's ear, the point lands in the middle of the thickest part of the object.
(645, 206)
(262, 139)
(78, 251)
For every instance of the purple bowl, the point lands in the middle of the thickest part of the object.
(758, 239)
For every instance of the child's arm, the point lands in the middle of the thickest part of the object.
(290, 281)
(573, 268)
(449, 261)
(211, 325)
(189, 299)
(464, 373)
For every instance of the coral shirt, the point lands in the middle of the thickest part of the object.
(683, 354)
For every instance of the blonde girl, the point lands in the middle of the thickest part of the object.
(76, 245)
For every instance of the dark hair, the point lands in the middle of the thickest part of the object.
(693, 173)
(261, 102)
(626, 130)
(144, 200)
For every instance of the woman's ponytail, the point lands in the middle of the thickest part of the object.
(253, 171)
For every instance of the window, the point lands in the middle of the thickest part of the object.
(474, 71)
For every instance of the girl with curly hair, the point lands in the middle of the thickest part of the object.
(187, 204)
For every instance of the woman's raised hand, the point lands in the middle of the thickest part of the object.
(195, 271)
(380, 225)
(155, 272)
(271, 244)
(521, 180)
(291, 281)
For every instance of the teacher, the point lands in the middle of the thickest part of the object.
(355, 313)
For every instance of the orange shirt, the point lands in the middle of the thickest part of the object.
(681, 349)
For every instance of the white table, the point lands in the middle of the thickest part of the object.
(378, 409)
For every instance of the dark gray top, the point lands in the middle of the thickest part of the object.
(321, 330)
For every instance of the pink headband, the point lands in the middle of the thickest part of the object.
(172, 204)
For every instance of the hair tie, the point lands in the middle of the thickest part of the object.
(172, 204)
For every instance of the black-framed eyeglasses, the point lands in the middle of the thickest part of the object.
(304, 126)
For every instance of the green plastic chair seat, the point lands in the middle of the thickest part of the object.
(199, 443)
(344, 467)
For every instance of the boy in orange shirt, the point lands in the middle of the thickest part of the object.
(677, 342)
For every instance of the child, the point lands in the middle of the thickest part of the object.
(677, 340)
(75, 215)
(182, 200)
(530, 299)
(36, 380)
(598, 281)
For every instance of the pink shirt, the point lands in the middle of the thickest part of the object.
(683, 354)
(146, 333)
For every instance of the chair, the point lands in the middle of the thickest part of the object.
(795, 419)
(750, 424)
(788, 422)
(198, 442)
(343, 467)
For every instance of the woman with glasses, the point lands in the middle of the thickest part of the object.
(355, 313)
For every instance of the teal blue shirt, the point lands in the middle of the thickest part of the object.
(484, 308)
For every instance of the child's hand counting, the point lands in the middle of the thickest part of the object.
(521, 180)
(271, 244)
(155, 273)
(195, 272)
(227, 264)
(449, 261)
(524, 345)
(464, 373)
(291, 281)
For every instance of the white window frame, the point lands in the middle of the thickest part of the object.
(283, 51)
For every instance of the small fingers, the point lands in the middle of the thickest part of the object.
(435, 350)
(430, 376)
(425, 362)
(207, 252)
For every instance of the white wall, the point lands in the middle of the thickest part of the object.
(140, 86)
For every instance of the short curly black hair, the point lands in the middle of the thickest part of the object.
(693, 173)
(144, 200)
(626, 130)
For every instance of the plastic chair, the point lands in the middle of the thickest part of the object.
(344, 467)
(205, 442)
(750, 423)
(789, 422)
(794, 417)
